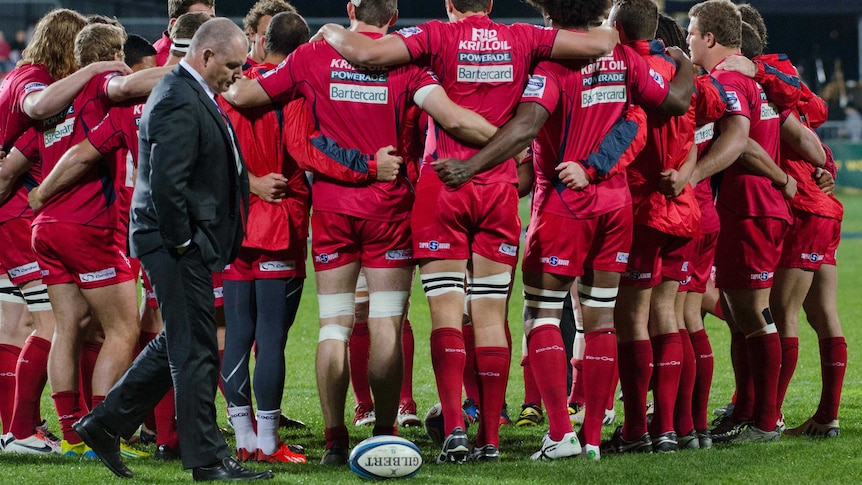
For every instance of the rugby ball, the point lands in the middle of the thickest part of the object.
(383, 457)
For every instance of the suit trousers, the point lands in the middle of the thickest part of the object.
(184, 355)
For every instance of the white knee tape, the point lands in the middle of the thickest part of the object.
(493, 286)
(37, 298)
(361, 288)
(539, 298)
(334, 332)
(10, 292)
(384, 304)
(337, 305)
(597, 297)
(436, 284)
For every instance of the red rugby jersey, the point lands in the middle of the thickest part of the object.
(359, 110)
(588, 100)
(259, 134)
(483, 65)
(743, 192)
(93, 200)
(669, 140)
(17, 205)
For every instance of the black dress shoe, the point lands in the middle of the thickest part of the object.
(228, 469)
(104, 442)
(166, 453)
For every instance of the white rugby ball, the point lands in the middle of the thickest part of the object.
(383, 457)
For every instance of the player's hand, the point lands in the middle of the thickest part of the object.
(271, 188)
(678, 55)
(789, 189)
(453, 172)
(521, 156)
(109, 66)
(740, 64)
(388, 164)
(573, 175)
(671, 183)
(35, 200)
(824, 180)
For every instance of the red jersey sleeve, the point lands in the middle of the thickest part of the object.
(649, 88)
(28, 144)
(710, 100)
(542, 39)
(279, 83)
(542, 88)
(316, 153)
(421, 39)
(778, 78)
(737, 93)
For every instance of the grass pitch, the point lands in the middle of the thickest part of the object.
(790, 461)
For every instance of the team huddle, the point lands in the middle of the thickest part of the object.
(663, 185)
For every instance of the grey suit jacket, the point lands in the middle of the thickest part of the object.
(188, 187)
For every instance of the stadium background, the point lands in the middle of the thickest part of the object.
(821, 37)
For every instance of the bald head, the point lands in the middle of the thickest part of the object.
(218, 52)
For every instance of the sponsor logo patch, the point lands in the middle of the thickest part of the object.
(637, 275)
(622, 257)
(733, 103)
(603, 94)
(763, 276)
(359, 94)
(535, 87)
(768, 112)
(95, 276)
(434, 245)
(24, 269)
(218, 293)
(399, 254)
(485, 74)
(325, 258)
(59, 132)
(656, 77)
(704, 134)
(554, 261)
(409, 31)
(273, 266)
(508, 249)
(813, 257)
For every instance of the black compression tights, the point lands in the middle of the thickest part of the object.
(262, 312)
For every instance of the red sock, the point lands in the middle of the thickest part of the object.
(448, 357)
(577, 394)
(89, 355)
(471, 384)
(492, 367)
(599, 365)
(407, 344)
(67, 404)
(31, 376)
(789, 358)
(682, 417)
(166, 422)
(703, 380)
(8, 363)
(548, 360)
(718, 311)
(833, 364)
(636, 368)
(667, 369)
(614, 381)
(743, 407)
(764, 357)
(531, 390)
(337, 436)
(358, 348)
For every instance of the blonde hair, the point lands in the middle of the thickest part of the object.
(99, 42)
(53, 41)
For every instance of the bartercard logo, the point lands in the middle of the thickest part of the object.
(485, 74)
(95, 276)
(359, 94)
(603, 94)
(59, 132)
(704, 134)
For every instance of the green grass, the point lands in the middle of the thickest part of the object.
(790, 461)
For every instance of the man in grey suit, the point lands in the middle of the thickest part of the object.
(190, 200)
